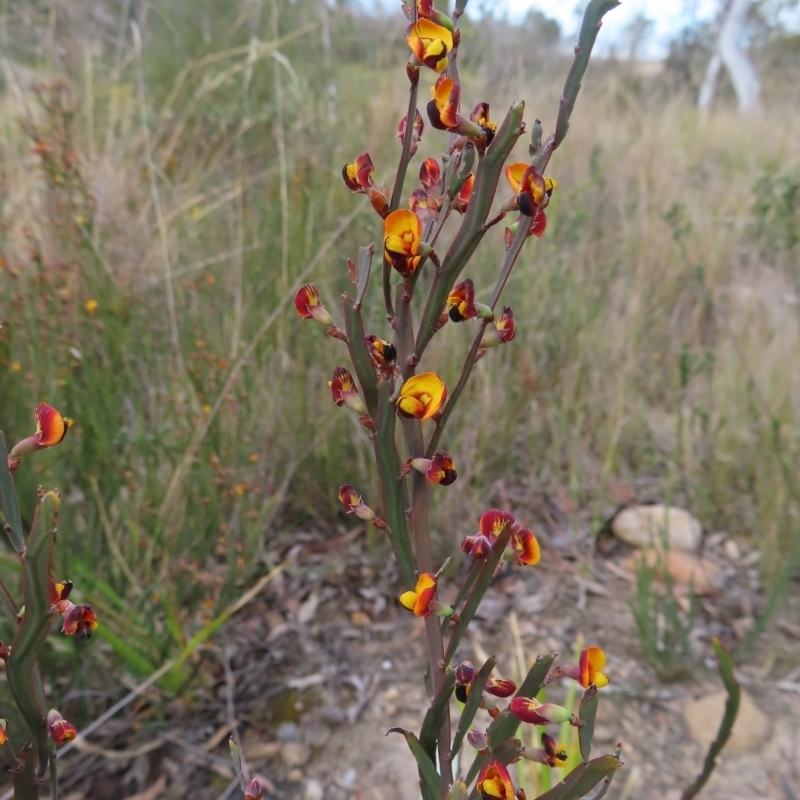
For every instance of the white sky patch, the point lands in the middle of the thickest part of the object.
(668, 16)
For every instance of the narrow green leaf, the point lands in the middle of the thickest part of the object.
(428, 776)
(583, 779)
(365, 255)
(587, 712)
(505, 725)
(388, 463)
(725, 664)
(359, 355)
(472, 704)
(8, 499)
(134, 660)
(432, 723)
(481, 585)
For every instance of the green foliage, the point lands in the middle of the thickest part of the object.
(664, 628)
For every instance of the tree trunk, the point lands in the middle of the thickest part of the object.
(729, 53)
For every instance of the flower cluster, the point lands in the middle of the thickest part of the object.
(522, 543)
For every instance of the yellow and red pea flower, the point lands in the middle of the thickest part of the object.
(51, 428)
(443, 109)
(592, 660)
(421, 396)
(430, 174)
(253, 790)
(59, 591)
(505, 329)
(60, 730)
(403, 247)
(430, 43)
(439, 469)
(419, 600)
(460, 202)
(492, 523)
(533, 190)
(461, 301)
(480, 116)
(424, 206)
(354, 504)
(79, 620)
(382, 353)
(527, 709)
(416, 131)
(495, 782)
(3, 734)
(309, 306)
(525, 547)
(550, 753)
(358, 174)
(344, 392)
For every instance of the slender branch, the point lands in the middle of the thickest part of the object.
(508, 264)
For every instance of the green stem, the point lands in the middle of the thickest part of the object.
(387, 461)
(9, 502)
(472, 228)
(590, 27)
(508, 264)
(359, 354)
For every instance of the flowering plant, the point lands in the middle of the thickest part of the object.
(30, 754)
(386, 387)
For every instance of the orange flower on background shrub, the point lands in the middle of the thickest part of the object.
(422, 396)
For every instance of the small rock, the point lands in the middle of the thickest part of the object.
(392, 693)
(704, 576)
(288, 732)
(350, 777)
(313, 790)
(732, 550)
(645, 526)
(360, 619)
(294, 754)
(390, 709)
(295, 775)
(750, 731)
